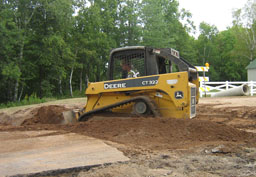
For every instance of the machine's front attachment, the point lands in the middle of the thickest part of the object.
(70, 116)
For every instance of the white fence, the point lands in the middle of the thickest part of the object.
(208, 88)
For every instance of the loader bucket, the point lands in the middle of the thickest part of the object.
(69, 117)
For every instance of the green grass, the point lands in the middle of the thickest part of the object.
(33, 99)
(28, 101)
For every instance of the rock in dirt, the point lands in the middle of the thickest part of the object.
(219, 149)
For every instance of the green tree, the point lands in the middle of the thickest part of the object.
(205, 42)
(162, 27)
(20, 14)
(49, 50)
(95, 40)
(229, 65)
(207, 48)
(9, 34)
(245, 26)
(155, 30)
(128, 22)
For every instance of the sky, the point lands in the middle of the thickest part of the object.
(213, 12)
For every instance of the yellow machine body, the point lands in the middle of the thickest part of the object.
(172, 94)
(144, 81)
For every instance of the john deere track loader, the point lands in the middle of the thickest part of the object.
(144, 81)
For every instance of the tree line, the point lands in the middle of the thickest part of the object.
(51, 48)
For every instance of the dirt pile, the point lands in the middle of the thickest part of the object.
(158, 133)
(47, 115)
(151, 133)
(5, 119)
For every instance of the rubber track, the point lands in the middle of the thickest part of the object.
(87, 115)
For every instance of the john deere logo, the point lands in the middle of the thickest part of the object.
(178, 95)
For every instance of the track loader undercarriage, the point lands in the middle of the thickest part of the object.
(143, 105)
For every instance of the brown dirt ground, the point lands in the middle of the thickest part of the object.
(218, 123)
(151, 133)
(211, 124)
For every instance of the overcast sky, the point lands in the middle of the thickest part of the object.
(213, 12)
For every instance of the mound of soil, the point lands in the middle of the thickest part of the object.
(159, 133)
(5, 119)
(47, 115)
(150, 133)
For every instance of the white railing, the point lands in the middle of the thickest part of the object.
(208, 88)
